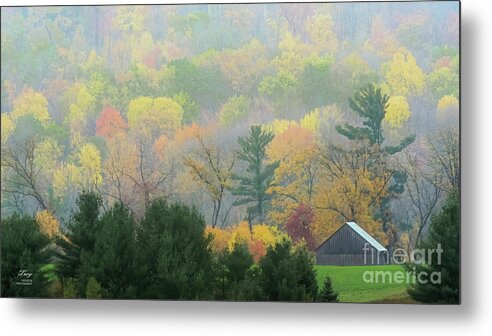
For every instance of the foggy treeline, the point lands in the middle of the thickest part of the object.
(139, 102)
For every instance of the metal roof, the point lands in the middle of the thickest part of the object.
(366, 236)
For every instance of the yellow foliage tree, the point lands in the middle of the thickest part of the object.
(267, 234)
(311, 121)
(7, 127)
(48, 223)
(221, 238)
(90, 163)
(357, 65)
(66, 178)
(84, 100)
(81, 107)
(76, 121)
(397, 112)
(447, 102)
(245, 66)
(348, 198)
(294, 54)
(279, 126)
(236, 108)
(258, 239)
(447, 108)
(33, 103)
(320, 30)
(153, 117)
(46, 158)
(403, 77)
(129, 19)
(348, 191)
(239, 235)
(295, 176)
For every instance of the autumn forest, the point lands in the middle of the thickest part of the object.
(269, 125)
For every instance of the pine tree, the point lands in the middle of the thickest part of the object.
(371, 105)
(328, 294)
(174, 253)
(24, 253)
(77, 243)
(304, 267)
(250, 289)
(444, 230)
(288, 275)
(113, 262)
(233, 266)
(237, 262)
(258, 178)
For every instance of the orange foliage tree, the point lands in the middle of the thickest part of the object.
(295, 177)
(220, 240)
(258, 239)
(349, 191)
(110, 122)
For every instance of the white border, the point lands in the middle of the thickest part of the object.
(72, 317)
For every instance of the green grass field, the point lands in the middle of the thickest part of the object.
(348, 281)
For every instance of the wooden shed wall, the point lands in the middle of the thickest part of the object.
(346, 247)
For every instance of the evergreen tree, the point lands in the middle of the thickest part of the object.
(232, 267)
(24, 253)
(384, 212)
(93, 290)
(238, 261)
(258, 178)
(175, 253)
(113, 261)
(371, 105)
(288, 275)
(328, 294)
(251, 286)
(444, 230)
(304, 266)
(78, 242)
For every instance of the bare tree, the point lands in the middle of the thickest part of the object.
(432, 174)
(296, 15)
(443, 158)
(208, 166)
(24, 180)
(134, 174)
(423, 193)
(151, 174)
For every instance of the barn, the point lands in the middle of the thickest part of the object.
(351, 245)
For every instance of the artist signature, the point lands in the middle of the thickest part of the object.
(24, 274)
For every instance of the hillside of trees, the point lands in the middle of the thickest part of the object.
(269, 124)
